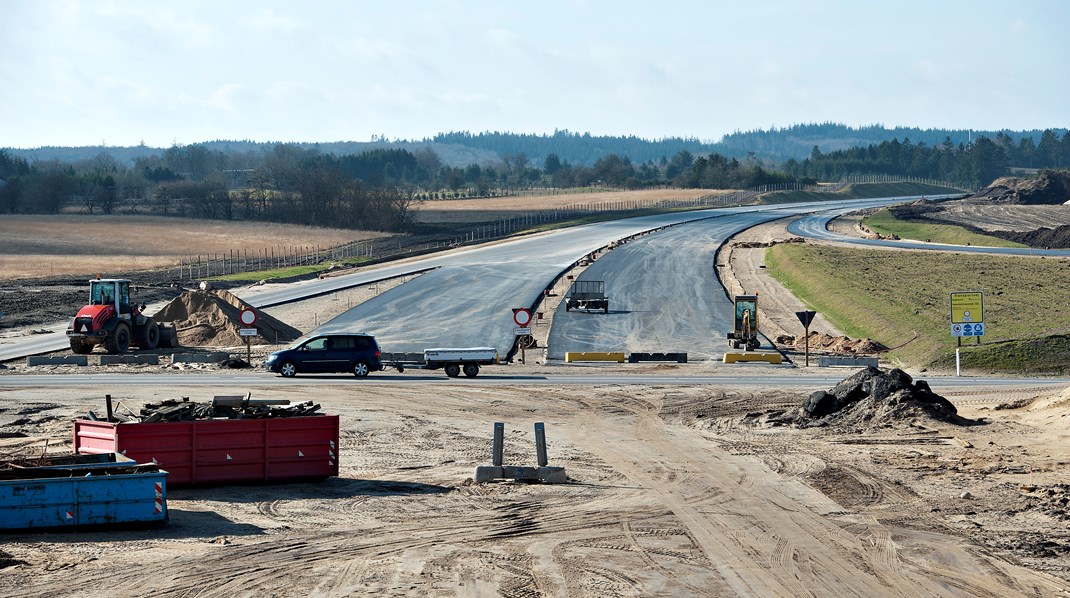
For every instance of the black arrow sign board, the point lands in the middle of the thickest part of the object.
(806, 317)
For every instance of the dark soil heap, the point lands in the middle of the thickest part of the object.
(1051, 187)
(210, 319)
(876, 397)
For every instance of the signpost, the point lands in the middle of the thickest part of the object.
(522, 317)
(247, 318)
(806, 317)
(967, 319)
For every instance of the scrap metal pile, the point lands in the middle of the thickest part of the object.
(220, 407)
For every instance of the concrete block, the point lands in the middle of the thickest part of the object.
(130, 359)
(488, 473)
(57, 360)
(199, 357)
(573, 356)
(520, 472)
(773, 358)
(552, 475)
(638, 357)
(846, 360)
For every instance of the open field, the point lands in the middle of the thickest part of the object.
(63, 245)
(492, 208)
(859, 190)
(900, 298)
(885, 223)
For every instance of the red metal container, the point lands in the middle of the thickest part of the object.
(214, 451)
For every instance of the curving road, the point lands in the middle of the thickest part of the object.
(469, 300)
(465, 298)
(815, 226)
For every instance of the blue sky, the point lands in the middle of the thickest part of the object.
(126, 72)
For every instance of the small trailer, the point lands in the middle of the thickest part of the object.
(587, 295)
(452, 360)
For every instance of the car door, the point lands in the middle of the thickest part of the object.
(340, 353)
(314, 357)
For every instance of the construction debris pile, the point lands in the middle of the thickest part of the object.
(820, 341)
(875, 397)
(221, 407)
(209, 318)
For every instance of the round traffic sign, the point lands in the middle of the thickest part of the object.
(248, 317)
(522, 316)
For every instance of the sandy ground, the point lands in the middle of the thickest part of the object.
(681, 490)
(672, 491)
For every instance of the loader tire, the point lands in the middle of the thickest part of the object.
(149, 335)
(119, 339)
(81, 348)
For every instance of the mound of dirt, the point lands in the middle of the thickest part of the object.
(1050, 187)
(820, 341)
(764, 244)
(875, 397)
(210, 319)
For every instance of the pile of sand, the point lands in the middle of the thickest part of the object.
(210, 319)
(820, 341)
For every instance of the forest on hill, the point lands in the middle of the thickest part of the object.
(373, 188)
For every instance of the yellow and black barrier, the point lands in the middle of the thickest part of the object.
(747, 357)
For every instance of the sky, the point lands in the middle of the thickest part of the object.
(121, 73)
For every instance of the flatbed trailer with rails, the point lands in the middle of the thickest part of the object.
(454, 361)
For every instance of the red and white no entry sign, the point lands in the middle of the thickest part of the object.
(248, 317)
(522, 316)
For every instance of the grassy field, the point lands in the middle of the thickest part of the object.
(885, 223)
(900, 298)
(858, 190)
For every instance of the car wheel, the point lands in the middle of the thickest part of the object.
(360, 369)
(453, 370)
(288, 369)
(471, 370)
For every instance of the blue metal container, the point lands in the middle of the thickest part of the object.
(82, 491)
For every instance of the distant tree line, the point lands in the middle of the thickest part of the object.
(375, 189)
(975, 164)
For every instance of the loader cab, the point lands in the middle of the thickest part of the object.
(110, 291)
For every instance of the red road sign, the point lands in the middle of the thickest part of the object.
(248, 316)
(522, 316)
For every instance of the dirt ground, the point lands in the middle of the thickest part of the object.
(672, 491)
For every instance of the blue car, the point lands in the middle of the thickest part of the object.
(328, 353)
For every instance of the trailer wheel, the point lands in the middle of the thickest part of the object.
(81, 348)
(288, 369)
(453, 370)
(361, 369)
(607, 306)
(119, 339)
(471, 370)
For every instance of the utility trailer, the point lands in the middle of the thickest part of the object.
(587, 295)
(453, 361)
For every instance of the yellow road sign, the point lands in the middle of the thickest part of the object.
(967, 307)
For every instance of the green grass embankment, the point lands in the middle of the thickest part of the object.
(859, 191)
(900, 298)
(288, 272)
(885, 223)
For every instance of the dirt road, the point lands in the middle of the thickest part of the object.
(673, 491)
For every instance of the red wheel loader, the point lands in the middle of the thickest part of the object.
(111, 320)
